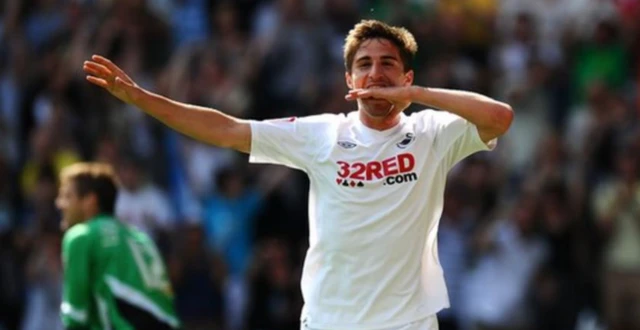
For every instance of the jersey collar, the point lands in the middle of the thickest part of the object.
(375, 135)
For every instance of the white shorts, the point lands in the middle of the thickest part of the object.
(429, 323)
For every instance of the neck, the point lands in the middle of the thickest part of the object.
(91, 214)
(379, 123)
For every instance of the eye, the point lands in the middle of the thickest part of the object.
(364, 65)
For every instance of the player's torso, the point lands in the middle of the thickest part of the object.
(128, 270)
(375, 168)
(114, 251)
(368, 182)
(369, 222)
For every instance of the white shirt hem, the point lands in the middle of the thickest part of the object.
(381, 326)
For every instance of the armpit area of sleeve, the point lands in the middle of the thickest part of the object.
(478, 143)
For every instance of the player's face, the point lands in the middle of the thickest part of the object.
(377, 63)
(70, 205)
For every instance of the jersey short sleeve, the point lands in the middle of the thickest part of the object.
(293, 142)
(454, 137)
(76, 297)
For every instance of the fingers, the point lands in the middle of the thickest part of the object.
(104, 61)
(97, 70)
(123, 83)
(102, 72)
(355, 94)
(97, 81)
(110, 65)
(351, 96)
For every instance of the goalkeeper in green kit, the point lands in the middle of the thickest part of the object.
(114, 277)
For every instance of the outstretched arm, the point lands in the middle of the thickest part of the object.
(491, 117)
(204, 124)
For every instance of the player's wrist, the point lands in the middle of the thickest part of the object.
(137, 95)
(144, 99)
(416, 93)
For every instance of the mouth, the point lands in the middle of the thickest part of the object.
(374, 86)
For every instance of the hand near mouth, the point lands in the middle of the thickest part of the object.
(400, 97)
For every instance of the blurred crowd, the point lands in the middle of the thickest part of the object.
(542, 233)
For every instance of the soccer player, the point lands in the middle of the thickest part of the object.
(114, 277)
(377, 177)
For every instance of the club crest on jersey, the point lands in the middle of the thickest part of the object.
(408, 138)
(347, 145)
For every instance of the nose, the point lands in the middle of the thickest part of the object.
(376, 71)
(59, 203)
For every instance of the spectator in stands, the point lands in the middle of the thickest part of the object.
(275, 298)
(141, 203)
(454, 248)
(197, 275)
(617, 209)
(228, 223)
(44, 276)
(510, 251)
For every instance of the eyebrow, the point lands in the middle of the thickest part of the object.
(384, 57)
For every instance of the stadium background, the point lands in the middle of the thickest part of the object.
(543, 233)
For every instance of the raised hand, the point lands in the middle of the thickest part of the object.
(400, 97)
(102, 72)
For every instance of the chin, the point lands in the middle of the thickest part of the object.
(377, 114)
(379, 109)
(66, 224)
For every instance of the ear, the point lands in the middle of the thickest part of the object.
(348, 79)
(408, 78)
(90, 203)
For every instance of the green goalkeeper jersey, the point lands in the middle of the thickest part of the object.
(114, 278)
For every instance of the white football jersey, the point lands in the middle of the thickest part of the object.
(374, 205)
